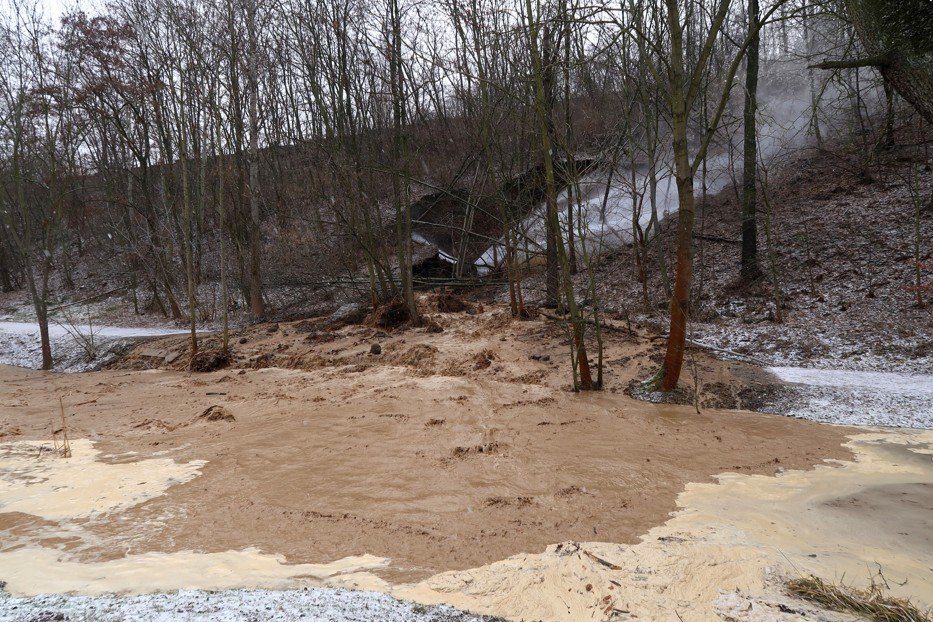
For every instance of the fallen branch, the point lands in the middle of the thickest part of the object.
(716, 238)
(854, 63)
(88, 299)
(601, 561)
(737, 355)
(603, 324)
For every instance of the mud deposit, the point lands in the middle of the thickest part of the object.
(419, 473)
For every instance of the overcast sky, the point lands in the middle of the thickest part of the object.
(55, 8)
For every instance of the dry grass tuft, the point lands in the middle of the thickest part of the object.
(60, 443)
(871, 603)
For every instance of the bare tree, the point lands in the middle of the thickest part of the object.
(750, 270)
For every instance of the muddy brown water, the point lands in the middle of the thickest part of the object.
(432, 464)
(418, 459)
(729, 549)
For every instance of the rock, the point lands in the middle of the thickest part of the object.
(242, 340)
(375, 349)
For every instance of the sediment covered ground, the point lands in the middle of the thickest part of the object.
(417, 470)
(446, 451)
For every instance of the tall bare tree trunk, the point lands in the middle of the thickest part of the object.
(256, 304)
(570, 165)
(552, 226)
(750, 270)
(683, 171)
(187, 240)
(543, 111)
(221, 229)
(400, 195)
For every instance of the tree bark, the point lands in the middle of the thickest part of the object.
(543, 112)
(683, 171)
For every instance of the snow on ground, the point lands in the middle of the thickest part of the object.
(20, 345)
(809, 344)
(856, 398)
(844, 380)
(887, 382)
(309, 605)
(57, 331)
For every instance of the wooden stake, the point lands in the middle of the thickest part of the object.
(66, 447)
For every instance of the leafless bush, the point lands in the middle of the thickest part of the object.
(85, 338)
